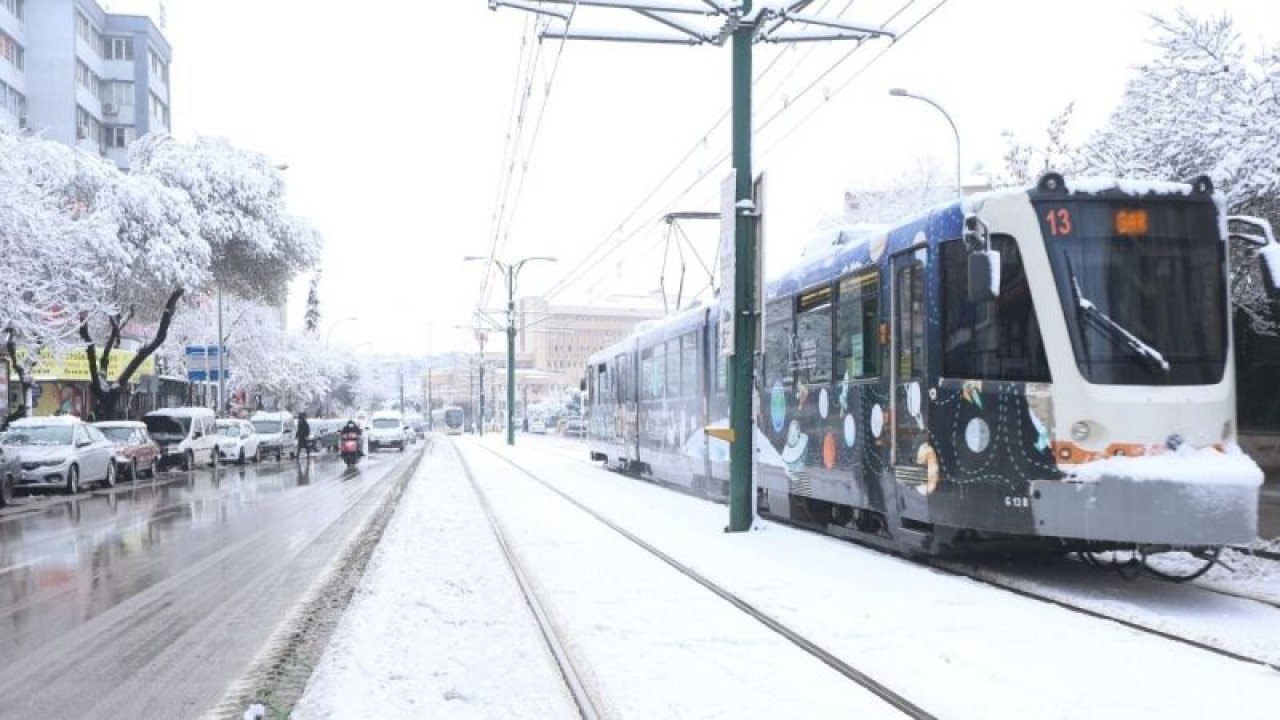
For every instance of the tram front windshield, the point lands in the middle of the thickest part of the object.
(1143, 287)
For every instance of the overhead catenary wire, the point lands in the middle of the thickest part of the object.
(504, 218)
(582, 270)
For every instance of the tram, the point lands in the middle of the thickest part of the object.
(448, 419)
(1043, 368)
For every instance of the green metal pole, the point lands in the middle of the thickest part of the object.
(511, 354)
(741, 369)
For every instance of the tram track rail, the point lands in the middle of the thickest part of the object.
(993, 579)
(888, 695)
(582, 699)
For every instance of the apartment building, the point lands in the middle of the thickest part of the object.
(74, 73)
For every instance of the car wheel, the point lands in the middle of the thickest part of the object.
(110, 480)
(188, 461)
(73, 480)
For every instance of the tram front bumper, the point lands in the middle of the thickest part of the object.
(1146, 511)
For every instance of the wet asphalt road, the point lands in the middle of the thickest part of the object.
(149, 600)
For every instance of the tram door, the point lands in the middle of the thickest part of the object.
(907, 411)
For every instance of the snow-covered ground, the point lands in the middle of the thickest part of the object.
(439, 628)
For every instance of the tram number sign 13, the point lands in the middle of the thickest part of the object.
(1058, 221)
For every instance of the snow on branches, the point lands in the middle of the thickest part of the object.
(238, 196)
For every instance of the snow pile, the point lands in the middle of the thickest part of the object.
(1205, 466)
(256, 711)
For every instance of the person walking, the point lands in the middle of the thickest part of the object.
(304, 436)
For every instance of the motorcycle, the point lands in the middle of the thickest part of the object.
(349, 448)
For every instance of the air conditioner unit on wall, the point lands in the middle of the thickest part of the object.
(108, 109)
(81, 133)
(22, 122)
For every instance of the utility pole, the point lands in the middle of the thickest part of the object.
(737, 21)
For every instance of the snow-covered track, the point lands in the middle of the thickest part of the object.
(900, 702)
(1032, 589)
(1007, 583)
(577, 689)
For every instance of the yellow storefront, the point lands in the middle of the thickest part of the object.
(62, 382)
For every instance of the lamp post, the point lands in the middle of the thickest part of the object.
(512, 271)
(900, 92)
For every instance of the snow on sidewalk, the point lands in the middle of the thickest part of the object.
(438, 627)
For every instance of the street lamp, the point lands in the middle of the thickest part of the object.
(512, 270)
(900, 92)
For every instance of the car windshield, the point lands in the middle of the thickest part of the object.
(232, 431)
(117, 434)
(386, 423)
(165, 427)
(39, 435)
(266, 426)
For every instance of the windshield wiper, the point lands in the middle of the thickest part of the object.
(1114, 330)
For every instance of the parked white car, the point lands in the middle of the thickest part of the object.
(238, 442)
(186, 435)
(61, 452)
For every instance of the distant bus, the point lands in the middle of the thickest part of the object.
(450, 419)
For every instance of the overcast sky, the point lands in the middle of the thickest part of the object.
(392, 117)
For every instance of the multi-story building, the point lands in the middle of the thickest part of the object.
(74, 73)
(560, 338)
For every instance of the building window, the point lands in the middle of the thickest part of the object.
(12, 100)
(89, 80)
(89, 32)
(87, 126)
(15, 8)
(10, 50)
(118, 48)
(159, 67)
(119, 94)
(118, 137)
(159, 111)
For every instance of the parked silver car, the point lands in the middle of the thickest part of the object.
(61, 452)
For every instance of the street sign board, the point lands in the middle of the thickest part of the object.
(728, 231)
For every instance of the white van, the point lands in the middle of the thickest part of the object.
(186, 435)
(277, 434)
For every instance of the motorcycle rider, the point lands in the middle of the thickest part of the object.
(352, 428)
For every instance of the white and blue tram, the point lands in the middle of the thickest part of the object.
(448, 419)
(1048, 367)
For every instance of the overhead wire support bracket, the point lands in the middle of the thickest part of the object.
(528, 7)
(612, 36)
(639, 5)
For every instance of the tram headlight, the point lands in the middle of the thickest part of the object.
(1080, 431)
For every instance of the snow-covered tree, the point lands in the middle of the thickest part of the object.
(1025, 162)
(313, 304)
(1203, 106)
(257, 245)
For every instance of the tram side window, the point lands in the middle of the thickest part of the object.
(857, 321)
(659, 377)
(689, 364)
(646, 375)
(812, 353)
(995, 339)
(777, 338)
(673, 368)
